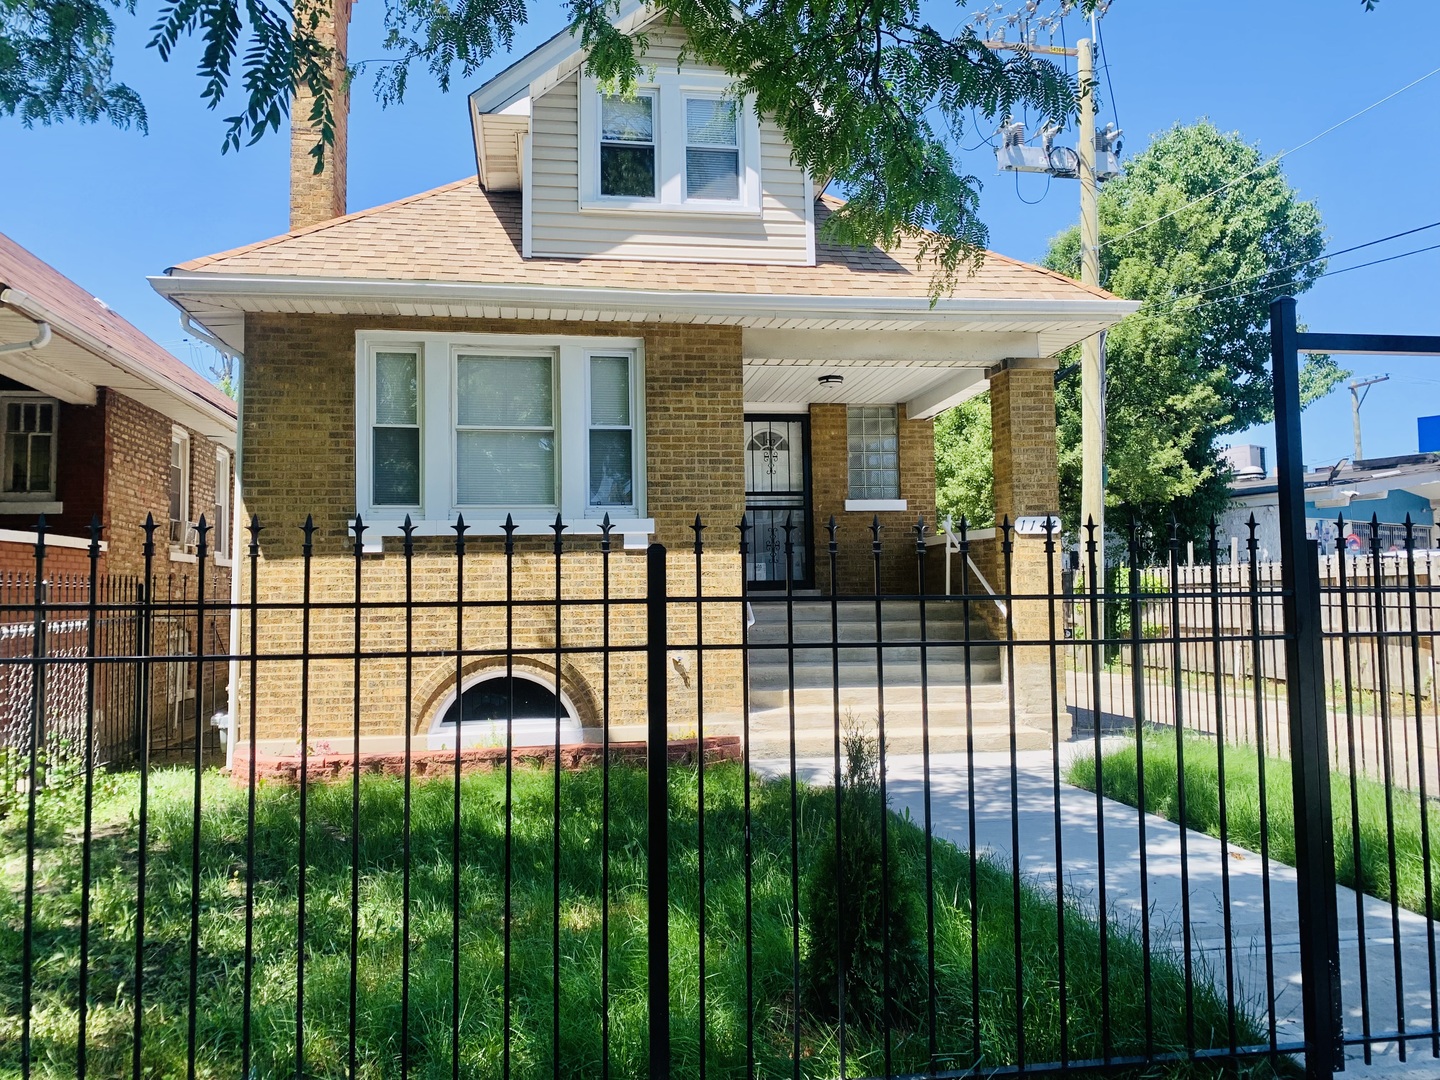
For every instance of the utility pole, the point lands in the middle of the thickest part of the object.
(1092, 370)
(1356, 400)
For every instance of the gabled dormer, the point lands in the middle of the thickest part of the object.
(681, 170)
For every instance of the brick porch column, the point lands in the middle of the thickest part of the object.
(1027, 482)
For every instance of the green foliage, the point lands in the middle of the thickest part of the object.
(1361, 863)
(964, 478)
(56, 61)
(862, 911)
(1193, 365)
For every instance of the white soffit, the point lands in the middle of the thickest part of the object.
(924, 389)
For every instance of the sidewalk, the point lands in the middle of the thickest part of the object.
(1168, 880)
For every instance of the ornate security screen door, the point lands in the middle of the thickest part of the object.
(777, 490)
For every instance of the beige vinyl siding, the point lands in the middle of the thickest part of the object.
(779, 234)
(500, 136)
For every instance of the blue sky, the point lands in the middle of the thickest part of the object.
(108, 207)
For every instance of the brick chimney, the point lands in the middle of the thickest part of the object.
(316, 197)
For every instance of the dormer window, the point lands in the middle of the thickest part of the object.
(627, 146)
(679, 145)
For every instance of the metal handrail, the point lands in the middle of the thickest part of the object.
(952, 547)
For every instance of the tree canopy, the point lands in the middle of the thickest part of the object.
(1192, 366)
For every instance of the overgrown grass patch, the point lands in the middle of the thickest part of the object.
(1361, 863)
(222, 935)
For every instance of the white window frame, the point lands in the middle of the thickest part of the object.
(30, 502)
(869, 504)
(365, 431)
(182, 546)
(224, 507)
(670, 90)
(438, 507)
(698, 95)
(653, 93)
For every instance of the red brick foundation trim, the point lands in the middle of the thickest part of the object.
(441, 763)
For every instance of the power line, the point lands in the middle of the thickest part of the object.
(1105, 66)
(1266, 164)
(1316, 258)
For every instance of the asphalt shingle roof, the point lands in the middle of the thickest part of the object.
(459, 232)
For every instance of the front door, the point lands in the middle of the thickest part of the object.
(777, 492)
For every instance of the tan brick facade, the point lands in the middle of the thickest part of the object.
(299, 458)
(1027, 470)
(830, 485)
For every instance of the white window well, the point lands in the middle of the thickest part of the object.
(679, 144)
(28, 451)
(495, 425)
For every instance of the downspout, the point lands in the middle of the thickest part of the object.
(237, 560)
(41, 339)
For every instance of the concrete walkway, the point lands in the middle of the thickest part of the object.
(1201, 872)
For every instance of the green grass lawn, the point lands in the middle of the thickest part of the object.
(1370, 873)
(380, 1034)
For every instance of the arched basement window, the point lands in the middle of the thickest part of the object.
(488, 702)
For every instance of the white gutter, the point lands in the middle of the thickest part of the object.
(42, 338)
(31, 307)
(657, 301)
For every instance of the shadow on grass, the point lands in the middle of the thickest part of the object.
(1003, 1009)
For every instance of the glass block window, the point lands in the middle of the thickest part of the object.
(712, 149)
(395, 431)
(505, 431)
(30, 446)
(612, 433)
(873, 445)
(627, 146)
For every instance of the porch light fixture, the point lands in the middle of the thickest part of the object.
(830, 380)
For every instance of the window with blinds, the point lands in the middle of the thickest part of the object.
(505, 431)
(395, 430)
(712, 149)
(873, 443)
(494, 424)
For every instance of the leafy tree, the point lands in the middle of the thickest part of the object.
(871, 95)
(1192, 366)
(964, 482)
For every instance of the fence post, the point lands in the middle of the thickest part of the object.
(657, 766)
(1305, 695)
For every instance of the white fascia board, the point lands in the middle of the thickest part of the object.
(515, 81)
(661, 302)
(32, 307)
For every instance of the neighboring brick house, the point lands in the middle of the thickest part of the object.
(99, 422)
(631, 311)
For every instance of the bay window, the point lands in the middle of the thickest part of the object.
(489, 425)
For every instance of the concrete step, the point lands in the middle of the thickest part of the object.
(951, 729)
(772, 631)
(773, 609)
(861, 675)
(818, 691)
(897, 655)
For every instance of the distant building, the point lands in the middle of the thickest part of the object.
(1340, 501)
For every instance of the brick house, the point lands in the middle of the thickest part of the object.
(630, 311)
(99, 422)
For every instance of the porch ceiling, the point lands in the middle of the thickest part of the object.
(925, 387)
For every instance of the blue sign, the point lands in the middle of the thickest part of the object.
(1429, 434)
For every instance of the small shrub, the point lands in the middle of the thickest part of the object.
(852, 905)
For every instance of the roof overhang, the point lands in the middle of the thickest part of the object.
(76, 363)
(220, 301)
